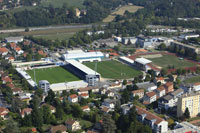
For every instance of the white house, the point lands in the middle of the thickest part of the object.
(72, 125)
(109, 103)
(73, 98)
(84, 95)
(160, 91)
(4, 113)
(109, 93)
(157, 124)
(26, 111)
(85, 108)
(150, 97)
(196, 86)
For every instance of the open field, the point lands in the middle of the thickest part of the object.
(51, 34)
(121, 11)
(167, 60)
(53, 75)
(59, 3)
(193, 80)
(114, 69)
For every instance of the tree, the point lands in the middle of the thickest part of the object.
(37, 117)
(11, 126)
(162, 46)
(124, 82)
(163, 72)
(27, 120)
(186, 113)
(51, 96)
(108, 124)
(46, 114)
(29, 57)
(77, 111)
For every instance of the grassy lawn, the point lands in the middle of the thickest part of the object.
(121, 11)
(59, 3)
(59, 36)
(193, 80)
(114, 69)
(53, 75)
(167, 60)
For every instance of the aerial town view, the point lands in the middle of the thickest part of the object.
(99, 66)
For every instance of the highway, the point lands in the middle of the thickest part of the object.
(47, 28)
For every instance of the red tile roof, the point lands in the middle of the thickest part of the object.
(17, 49)
(55, 129)
(138, 91)
(70, 121)
(151, 94)
(73, 96)
(3, 50)
(196, 84)
(3, 111)
(16, 89)
(7, 79)
(84, 94)
(159, 78)
(26, 110)
(149, 115)
(11, 85)
(85, 107)
(11, 58)
(169, 84)
(161, 88)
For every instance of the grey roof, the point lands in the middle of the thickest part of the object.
(176, 92)
(168, 97)
(145, 85)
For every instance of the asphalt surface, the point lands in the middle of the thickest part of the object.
(48, 28)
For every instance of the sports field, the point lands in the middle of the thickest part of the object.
(165, 60)
(53, 75)
(59, 3)
(193, 80)
(114, 70)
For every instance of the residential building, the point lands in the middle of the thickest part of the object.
(4, 113)
(157, 124)
(191, 101)
(159, 79)
(126, 107)
(72, 125)
(73, 98)
(61, 128)
(52, 108)
(196, 86)
(83, 90)
(169, 87)
(3, 51)
(190, 48)
(26, 111)
(85, 108)
(160, 91)
(18, 50)
(149, 86)
(169, 101)
(84, 95)
(109, 103)
(139, 93)
(110, 93)
(16, 91)
(150, 97)
(44, 85)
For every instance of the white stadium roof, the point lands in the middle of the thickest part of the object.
(82, 67)
(69, 56)
(143, 61)
(127, 59)
(78, 51)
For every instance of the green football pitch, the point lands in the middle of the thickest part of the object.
(114, 70)
(53, 75)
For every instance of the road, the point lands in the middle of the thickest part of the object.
(48, 28)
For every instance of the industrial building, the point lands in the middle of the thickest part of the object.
(14, 39)
(83, 72)
(59, 87)
(82, 56)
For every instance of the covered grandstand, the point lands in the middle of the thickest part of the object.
(81, 56)
(81, 70)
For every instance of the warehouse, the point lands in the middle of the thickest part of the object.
(81, 56)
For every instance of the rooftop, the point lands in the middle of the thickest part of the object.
(143, 61)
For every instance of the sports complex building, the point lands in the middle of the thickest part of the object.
(82, 56)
